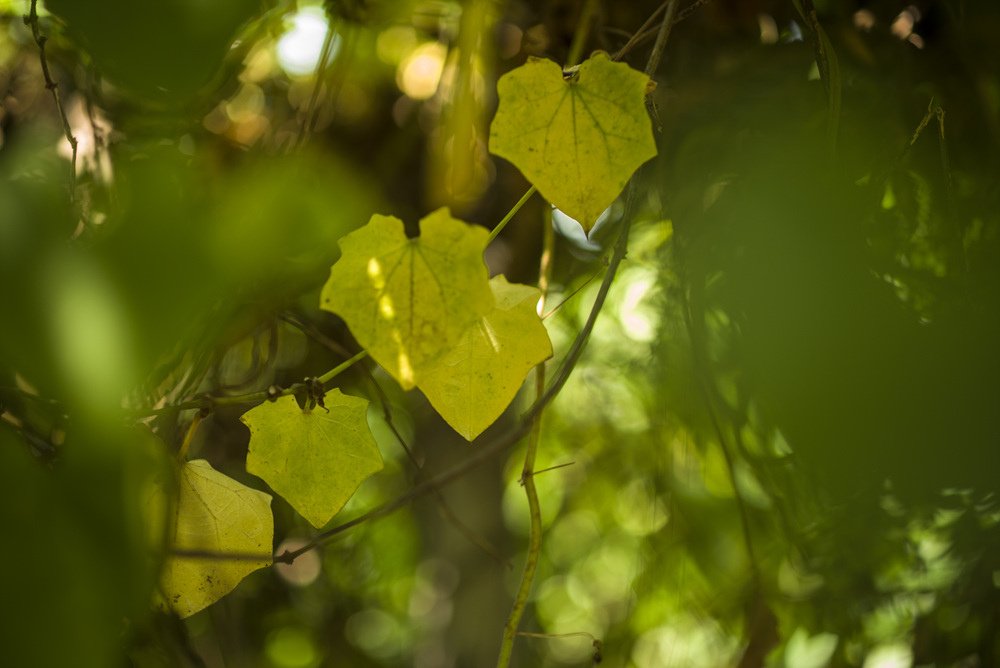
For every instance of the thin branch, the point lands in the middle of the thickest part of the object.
(552, 311)
(446, 511)
(594, 641)
(646, 33)
(552, 468)
(311, 115)
(31, 20)
(639, 34)
(662, 36)
(528, 472)
(272, 393)
(690, 9)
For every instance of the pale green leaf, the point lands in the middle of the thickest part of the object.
(408, 300)
(476, 380)
(578, 140)
(314, 459)
(214, 514)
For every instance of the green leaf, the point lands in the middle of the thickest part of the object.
(407, 301)
(138, 49)
(314, 459)
(214, 514)
(578, 140)
(476, 380)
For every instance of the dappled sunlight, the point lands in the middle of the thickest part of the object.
(304, 570)
(385, 308)
(420, 72)
(687, 642)
(300, 47)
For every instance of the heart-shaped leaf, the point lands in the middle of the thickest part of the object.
(214, 514)
(579, 138)
(475, 381)
(314, 459)
(407, 301)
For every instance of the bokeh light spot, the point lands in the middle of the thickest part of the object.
(300, 47)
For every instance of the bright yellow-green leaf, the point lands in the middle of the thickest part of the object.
(476, 380)
(214, 514)
(577, 139)
(408, 300)
(314, 459)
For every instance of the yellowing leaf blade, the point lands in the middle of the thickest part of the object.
(476, 380)
(315, 459)
(214, 514)
(578, 141)
(408, 300)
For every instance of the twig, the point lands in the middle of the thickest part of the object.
(311, 115)
(656, 56)
(31, 20)
(690, 9)
(272, 393)
(646, 32)
(552, 311)
(528, 473)
(446, 511)
(640, 33)
(594, 641)
(552, 468)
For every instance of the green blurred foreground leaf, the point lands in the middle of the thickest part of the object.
(475, 381)
(578, 140)
(407, 301)
(314, 459)
(135, 45)
(215, 514)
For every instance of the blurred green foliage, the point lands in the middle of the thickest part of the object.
(780, 446)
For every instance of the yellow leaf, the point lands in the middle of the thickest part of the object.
(314, 459)
(476, 380)
(408, 300)
(578, 140)
(219, 515)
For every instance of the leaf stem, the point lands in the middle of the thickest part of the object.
(340, 368)
(510, 214)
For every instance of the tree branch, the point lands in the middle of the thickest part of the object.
(31, 20)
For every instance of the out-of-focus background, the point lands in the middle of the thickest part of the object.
(780, 445)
